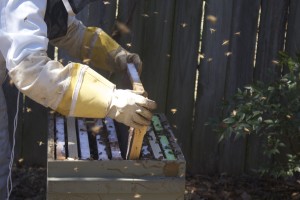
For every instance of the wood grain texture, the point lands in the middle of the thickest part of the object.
(136, 142)
(270, 39)
(150, 23)
(155, 48)
(51, 137)
(241, 45)
(34, 133)
(182, 72)
(272, 26)
(72, 147)
(100, 186)
(116, 168)
(108, 15)
(293, 31)
(83, 140)
(212, 77)
(165, 196)
(60, 138)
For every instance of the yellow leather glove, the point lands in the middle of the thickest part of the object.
(122, 57)
(131, 109)
(95, 48)
(101, 51)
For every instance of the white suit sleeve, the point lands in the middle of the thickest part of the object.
(23, 29)
(72, 90)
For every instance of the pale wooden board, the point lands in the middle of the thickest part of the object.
(101, 144)
(116, 185)
(136, 143)
(83, 140)
(157, 152)
(113, 139)
(72, 138)
(130, 137)
(51, 144)
(60, 138)
(85, 196)
(116, 168)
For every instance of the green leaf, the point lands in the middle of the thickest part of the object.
(221, 138)
(282, 144)
(259, 119)
(229, 120)
(256, 113)
(268, 121)
(242, 117)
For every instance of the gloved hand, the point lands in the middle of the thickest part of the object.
(122, 57)
(131, 109)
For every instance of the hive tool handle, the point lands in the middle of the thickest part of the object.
(135, 80)
(136, 136)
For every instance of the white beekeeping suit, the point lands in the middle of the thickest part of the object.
(26, 27)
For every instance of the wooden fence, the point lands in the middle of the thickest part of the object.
(229, 43)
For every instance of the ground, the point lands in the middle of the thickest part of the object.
(30, 184)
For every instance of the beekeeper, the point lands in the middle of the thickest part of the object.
(26, 27)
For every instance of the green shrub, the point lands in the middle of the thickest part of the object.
(271, 111)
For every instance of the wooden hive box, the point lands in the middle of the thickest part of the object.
(85, 161)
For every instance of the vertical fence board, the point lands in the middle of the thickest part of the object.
(151, 24)
(156, 49)
(109, 15)
(211, 83)
(182, 73)
(126, 11)
(128, 15)
(270, 42)
(270, 39)
(293, 47)
(34, 133)
(239, 73)
(92, 14)
(293, 31)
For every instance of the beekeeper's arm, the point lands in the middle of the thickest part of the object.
(74, 90)
(95, 48)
